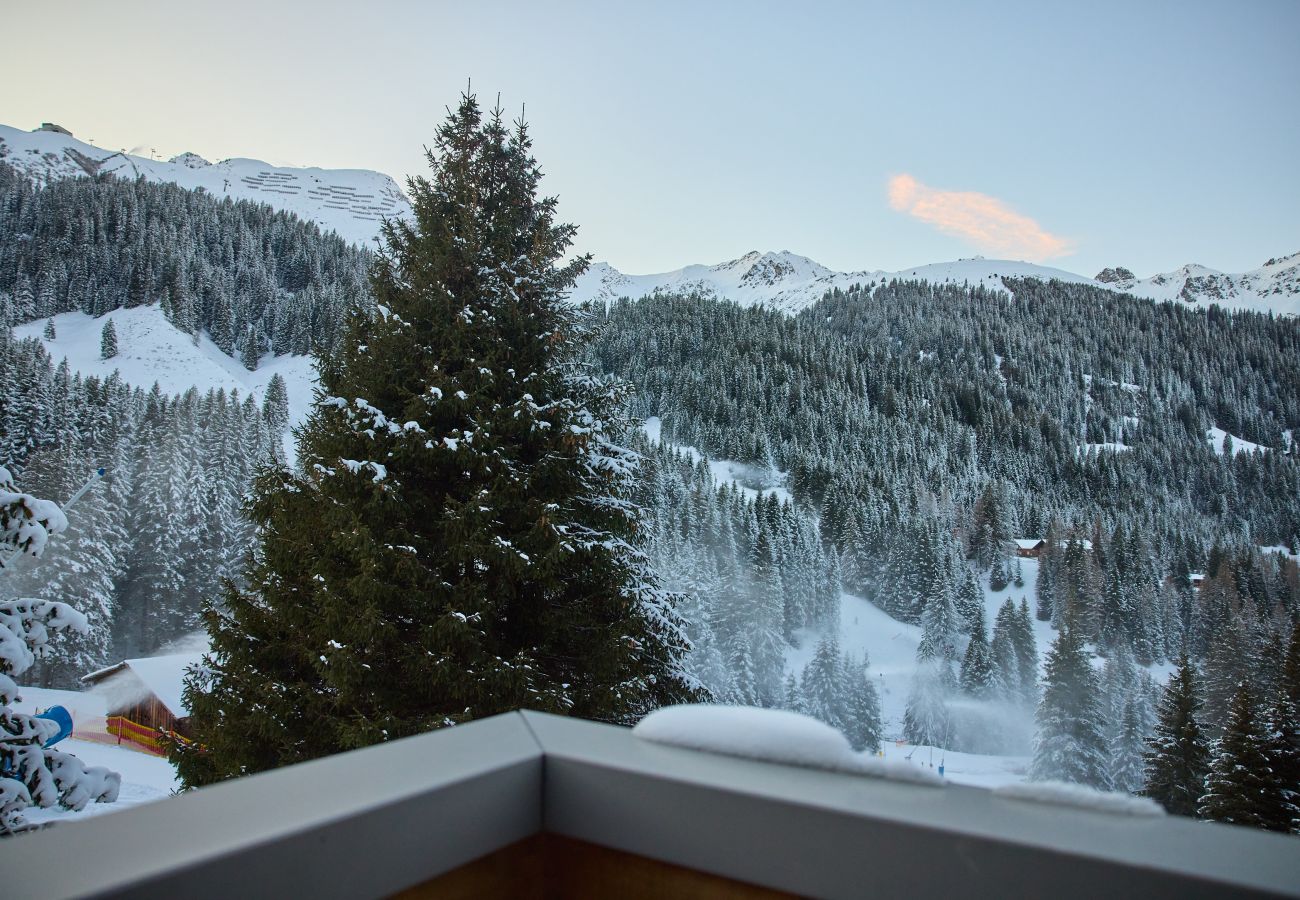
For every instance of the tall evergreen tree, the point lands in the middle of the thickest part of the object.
(1178, 757)
(1240, 788)
(862, 705)
(1282, 751)
(108, 340)
(1126, 764)
(275, 405)
(1071, 744)
(459, 541)
(977, 671)
(1026, 646)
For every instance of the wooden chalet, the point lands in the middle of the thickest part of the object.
(1030, 548)
(144, 699)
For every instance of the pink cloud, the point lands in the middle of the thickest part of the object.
(985, 221)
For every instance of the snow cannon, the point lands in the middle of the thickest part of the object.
(60, 716)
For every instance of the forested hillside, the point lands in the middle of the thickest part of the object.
(922, 428)
(256, 281)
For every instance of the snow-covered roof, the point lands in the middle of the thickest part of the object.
(1029, 543)
(163, 676)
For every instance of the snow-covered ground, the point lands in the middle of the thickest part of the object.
(1215, 436)
(752, 481)
(145, 778)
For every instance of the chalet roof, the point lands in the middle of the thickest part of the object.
(163, 676)
(1029, 543)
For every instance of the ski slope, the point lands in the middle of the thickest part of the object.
(153, 351)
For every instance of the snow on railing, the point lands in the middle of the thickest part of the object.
(770, 735)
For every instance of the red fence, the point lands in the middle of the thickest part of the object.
(142, 737)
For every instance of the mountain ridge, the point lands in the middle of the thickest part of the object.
(790, 282)
(353, 202)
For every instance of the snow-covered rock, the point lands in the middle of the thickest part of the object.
(351, 202)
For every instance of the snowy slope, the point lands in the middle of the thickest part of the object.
(151, 349)
(789, 282)
(351, 202)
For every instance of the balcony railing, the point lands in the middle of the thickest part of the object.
(626, 818)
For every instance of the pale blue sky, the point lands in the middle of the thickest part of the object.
(1142, 134)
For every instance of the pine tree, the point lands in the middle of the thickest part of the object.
(458, 541)
(1178, 757)
(49, 333)
(1282, 752)
(1022, 637)
(1071, 745)
(275, 405)
(1240, 788)
(861, 706)
(1290, 678)
(927, 719)
(1126, 763)
(1002, 649)
(821, 686)
(108, 341)
(977, 675)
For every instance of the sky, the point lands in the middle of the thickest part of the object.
(865, 136)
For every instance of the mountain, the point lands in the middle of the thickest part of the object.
(350, 202)
(1274, 286)
(353, 201)
(790, 283)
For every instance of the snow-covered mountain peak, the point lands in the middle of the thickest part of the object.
(190, 161)
(772, 269)
(351, 202)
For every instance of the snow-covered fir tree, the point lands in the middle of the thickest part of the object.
(1071, 743)
(1177, 760)
(108, 340)
(459, 540)
(30, 772)
(1240, 788)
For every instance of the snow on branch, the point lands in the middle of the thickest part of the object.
(355, 466)
(26, 522)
